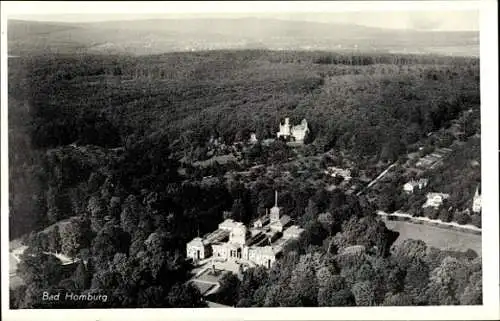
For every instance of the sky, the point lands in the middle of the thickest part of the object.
(420, 15)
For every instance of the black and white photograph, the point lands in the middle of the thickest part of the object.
(181, 157)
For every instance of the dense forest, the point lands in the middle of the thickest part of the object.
(107, 144)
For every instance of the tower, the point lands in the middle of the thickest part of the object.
(285, 129)
(274, 216)
(238, 234)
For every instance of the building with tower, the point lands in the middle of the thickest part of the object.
(259, 244)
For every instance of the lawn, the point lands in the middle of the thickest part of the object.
(436, 237)
(210, 276)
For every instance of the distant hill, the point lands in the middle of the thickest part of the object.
(141, 37)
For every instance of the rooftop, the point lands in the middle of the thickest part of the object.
(216, 236)
(196, 241)
(432, 195)
(294, 229)
(284, 220)
(278, 245)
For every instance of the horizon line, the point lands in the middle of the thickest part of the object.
(42, 18)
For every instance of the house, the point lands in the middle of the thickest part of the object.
(197, 249)
(294, 133)
(253, 138)
(336, 172)
(411, 185)
(258, 245)
(435, 199)
(293, 232)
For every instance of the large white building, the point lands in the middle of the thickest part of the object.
(411, 185)
(257, 245)
(476, 203)
(295, 133)
(435, 199)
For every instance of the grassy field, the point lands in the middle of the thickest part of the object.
(436, 237)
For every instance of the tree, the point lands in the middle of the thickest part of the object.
(365, 272)
(105, 280)
(152, 297)
(396, 279)
(115, 207)
(327, 221)
(54, 240)
(444, 215)
(473, 293)
(303, 283)
(398, 299)
(334, 293)
(475, 220)
(253, 278)
(38, 242)
(185, 296)
(392, 148)
(461, 218)
(43, 269)
(416, 280)
(54, 210)
(411, 250)
(323, 276)
(130, 214)
(98, 211)
(314, 233)
(109, 241)
(82, 276)
(238, 210)
(16, 297)
(447, 282)
(75, 235)
(228, 291)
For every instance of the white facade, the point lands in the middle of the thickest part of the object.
(435, 199)
(196, 249)
(263, 256)
(411, 185)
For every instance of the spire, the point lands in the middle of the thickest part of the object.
(275, 198)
